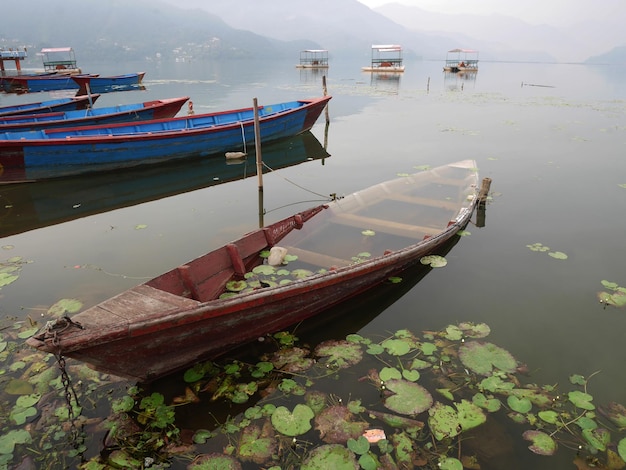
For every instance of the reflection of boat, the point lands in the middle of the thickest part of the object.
(461, 60)
(97, 84)
(61, 152)
(313, 59)
(214, 303)
(25, 207)
(386, 58)
(50, 106)
(157, 109)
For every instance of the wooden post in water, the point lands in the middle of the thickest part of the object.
(259, 160)
(482, 202)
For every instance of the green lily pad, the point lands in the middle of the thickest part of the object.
(301, 273)
(328, 456)
(13, 437)
(542, 444)
(257, 444)
(264, 269)
(292, 423)
(521, 405)
(621, 448)
(598, 438)
(549, 416)
(469, 415)
(475, 330)
(483, 358)
(581, 400)
(443, 421)
(434, 261)
(389, 373)
(450, 463)
(213, 462)
(64, 306)
(396, 347)
(341, 354)
(490, 404)
(368, 233)
(236, 286)
(558, 255)
(408, 398)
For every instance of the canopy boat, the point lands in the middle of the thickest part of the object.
(461, 60)
(157, 109)
(236, 294)
(96, 84)
(313, 59)
(59, 104)
(386, 58)
(59, 59)
(44, 82)
(115, 146)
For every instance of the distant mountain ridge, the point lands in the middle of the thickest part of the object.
(280, 29)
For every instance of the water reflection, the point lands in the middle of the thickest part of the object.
(29, 206)
(458, 81)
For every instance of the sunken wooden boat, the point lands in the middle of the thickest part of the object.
(236, 294)
(115, 146)
(49, 106)
(155, 109)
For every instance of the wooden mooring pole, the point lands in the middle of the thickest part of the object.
(481, 212)
(259, 160)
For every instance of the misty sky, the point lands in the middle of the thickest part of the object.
(554, 12)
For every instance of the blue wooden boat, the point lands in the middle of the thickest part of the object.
(49, 106)
(109, 147)
(97, 84)
(156, 109)
(44, 82)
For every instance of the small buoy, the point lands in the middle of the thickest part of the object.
(235, 155)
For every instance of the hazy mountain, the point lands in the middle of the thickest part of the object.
(279, 29)
(614, 56)
(507, 38)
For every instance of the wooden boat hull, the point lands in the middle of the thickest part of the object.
(156, 109)
(98, 84)
(108, 147)
(179, 317)
(49, 106)
(35, 84)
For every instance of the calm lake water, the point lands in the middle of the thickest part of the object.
(552, 137)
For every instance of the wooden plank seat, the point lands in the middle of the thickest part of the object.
(386, 226)
(317, 259)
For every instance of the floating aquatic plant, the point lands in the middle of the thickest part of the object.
(434, 261)
(616, 296)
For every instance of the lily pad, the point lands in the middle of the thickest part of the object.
(257, 444)
(598, 438)
(340, 354)
(475, 330)
(13, 437)
(337, 424)
(489, 404)
(542, 444)
(236, 286)
(64, 306)
(581, 400)
(549, 416)
(483, 358)
(558, 255)
(450, 463)
(435, 261)
(408, 398)
(333, 456)
(443, 421)
(213, 462)
(621, 448)
(301, 273)
(292, 423)
(521, 405)
(616, 413)
(396, 347)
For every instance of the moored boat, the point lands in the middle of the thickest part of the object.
(49, 106)
(156, 109)
(44, 82)
(96, 84)
(461, 60)
(115, 146)
(313, 59)
(386, 58)
(237, 293)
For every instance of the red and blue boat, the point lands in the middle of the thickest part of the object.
(50, 106)
(96, 84)
(43, 82)
(156, 109)
(110, 147)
